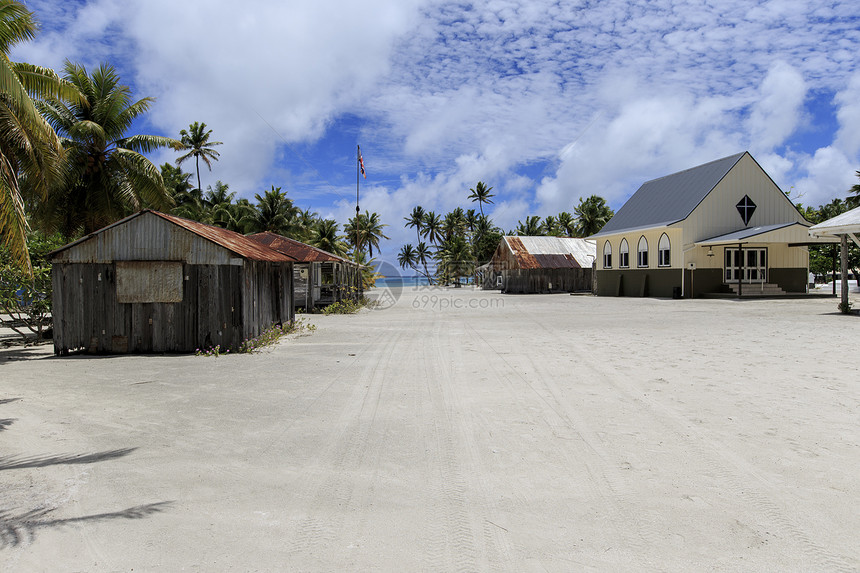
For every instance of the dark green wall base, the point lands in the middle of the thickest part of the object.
(701, 281)
(789, 280)
(662, 282)
(636, 282)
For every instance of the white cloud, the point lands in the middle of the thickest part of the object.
(777, 110)
(613, 93)
(848, 115)
(829, 175)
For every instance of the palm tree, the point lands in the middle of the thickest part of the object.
(371, 231)
(305, 222)
(406, 258)
(219, 195)
(236, 216)
(455, 259)
(416, 219)
(854, 200)
(591, 215)
(481, 194)
(325, 236)
(487, 237)
(567, 223)
(197, 140)
(531, 228)
(472, 219)
(275, 212)
(175, 180)
(432, 227)
(30, 151)
(422, 254)
(106, 174)
(354, 234)
(454, 224)
(552, 227)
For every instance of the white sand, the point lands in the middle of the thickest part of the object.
(458, 430)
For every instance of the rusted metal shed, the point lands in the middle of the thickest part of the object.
(320, 278)
(541, 265)
(157, 283)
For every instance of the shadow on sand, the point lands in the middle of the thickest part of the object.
(17, 462)
(17, 529)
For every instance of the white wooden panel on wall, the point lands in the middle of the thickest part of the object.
(148, 281)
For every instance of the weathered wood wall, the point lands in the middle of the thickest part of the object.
(221, 305)
(339, 281)
(527, 281)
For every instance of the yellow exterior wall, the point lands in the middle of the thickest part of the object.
(779, 256)
(653, 238)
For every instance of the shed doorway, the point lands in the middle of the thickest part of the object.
(754, 265)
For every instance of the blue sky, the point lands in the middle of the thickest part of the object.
(545, 101)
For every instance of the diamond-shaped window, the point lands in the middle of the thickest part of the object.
(746, 208)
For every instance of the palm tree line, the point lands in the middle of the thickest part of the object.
(69, 166)
(455, 243)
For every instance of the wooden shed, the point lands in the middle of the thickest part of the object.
(157, 283)
(320, 278)
(542, 265)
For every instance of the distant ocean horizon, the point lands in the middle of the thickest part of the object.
(401, 281)
(409, 281)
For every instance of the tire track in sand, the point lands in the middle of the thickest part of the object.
(739, 477)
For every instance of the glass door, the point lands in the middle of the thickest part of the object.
(754, 263)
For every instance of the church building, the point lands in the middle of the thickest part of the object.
(720, 227)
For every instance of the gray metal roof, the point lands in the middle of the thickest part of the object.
(669, 199)
(743, 234)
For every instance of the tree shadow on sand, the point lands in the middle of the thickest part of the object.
(18, 462)
(17, 529)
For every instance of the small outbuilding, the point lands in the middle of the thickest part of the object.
(320, 278)
(154, 282)
(541, 265)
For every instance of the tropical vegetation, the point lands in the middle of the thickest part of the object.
(452, 245)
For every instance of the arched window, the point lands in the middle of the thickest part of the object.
(642, 252)
(664, 251)
(623, 255)
(607, 255)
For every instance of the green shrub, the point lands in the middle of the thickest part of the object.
(267, 338)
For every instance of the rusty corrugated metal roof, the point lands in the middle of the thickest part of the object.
(524, 259)
(234, 242)
(299, 251)
(551, 252)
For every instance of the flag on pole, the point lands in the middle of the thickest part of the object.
(361, 163)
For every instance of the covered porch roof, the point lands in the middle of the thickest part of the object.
(792, 233)
(847, 223)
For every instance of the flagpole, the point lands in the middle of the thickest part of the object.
(357, 211)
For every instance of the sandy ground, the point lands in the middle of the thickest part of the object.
(455, 431)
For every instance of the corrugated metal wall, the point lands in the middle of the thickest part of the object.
(531, 281)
